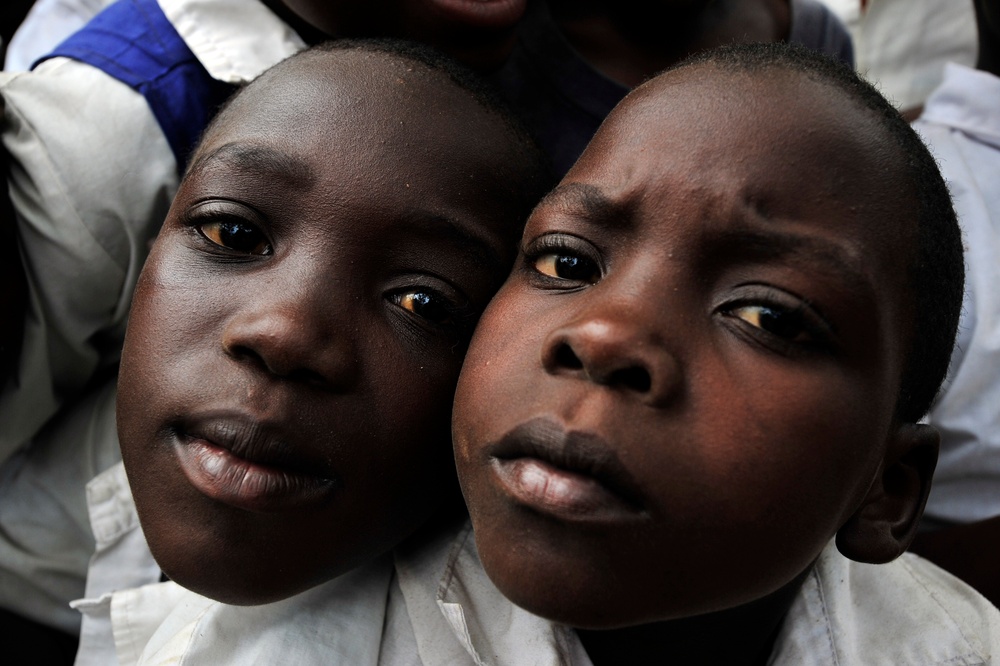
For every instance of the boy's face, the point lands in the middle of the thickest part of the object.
(685, 387)
(297, 332)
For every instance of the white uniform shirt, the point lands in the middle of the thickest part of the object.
(908, 612)
(961, 124)
(903, 45)
(45, 535)
(47, 23)
(359, 618)
(92, 177)
(440, 609)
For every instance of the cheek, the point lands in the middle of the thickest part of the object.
(498, 374)
(795, 448)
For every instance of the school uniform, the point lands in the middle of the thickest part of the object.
(961, 124)
(97, 137)
(46, 541)
(431, 604)
(902, 46)
(563, 99)
(93, 174)
(47, 23)
(130, 617)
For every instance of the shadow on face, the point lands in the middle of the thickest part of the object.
(688, 383)
(297, 332)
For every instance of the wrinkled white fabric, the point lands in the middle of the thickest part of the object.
(961, 124)
(908, 612)
(903, 45)
(46, 24)
(92, 177)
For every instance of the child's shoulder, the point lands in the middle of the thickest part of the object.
(908, 611)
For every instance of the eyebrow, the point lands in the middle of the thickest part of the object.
(747, 242)
(596, 207)
(256, 158)
(461, 235)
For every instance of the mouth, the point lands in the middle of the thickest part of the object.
(244, 464)
(569, 475)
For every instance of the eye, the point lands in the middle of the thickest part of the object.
(568, 267)
(236, 235)
(790, 325)
(779, 320)
(562, 261)
(428, 305)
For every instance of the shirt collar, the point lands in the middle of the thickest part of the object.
(492, 629)
(235, 40)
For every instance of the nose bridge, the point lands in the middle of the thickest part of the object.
(619, 338)
(299, 331)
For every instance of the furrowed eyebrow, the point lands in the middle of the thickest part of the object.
(771, 245)
(255, 158)
(595, 206)
(459, 235)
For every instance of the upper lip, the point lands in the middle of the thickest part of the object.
(583, 453)
(255, 441)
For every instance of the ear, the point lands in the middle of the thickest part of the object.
(886, 521)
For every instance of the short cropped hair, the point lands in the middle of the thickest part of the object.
(534, 163)
(936, 270)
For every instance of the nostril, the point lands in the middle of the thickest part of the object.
(565, 357)
(635, 378)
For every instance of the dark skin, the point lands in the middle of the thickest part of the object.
(630, 41)
(476, 32)
(969, 551)
(703, 293)
(298, 329)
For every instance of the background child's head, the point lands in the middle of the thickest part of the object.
(477, 32)
(713, 349)
(297, 332)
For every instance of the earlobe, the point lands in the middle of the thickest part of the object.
(886, 521)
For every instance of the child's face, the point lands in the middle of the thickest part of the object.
(296, 335)
(686, 386)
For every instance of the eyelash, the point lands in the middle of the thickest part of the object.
(443, 312)
(551, 254)
(221, 227)
(805, 329)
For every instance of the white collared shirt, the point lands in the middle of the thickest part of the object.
(431, 604)
(92, 177)
(357, 619)
(91, 181)
(961, 124)
(908, 612)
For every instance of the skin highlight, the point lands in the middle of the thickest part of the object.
(298, 329)
(693, 369)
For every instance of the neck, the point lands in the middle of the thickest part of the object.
(630, 41)
(741, 636)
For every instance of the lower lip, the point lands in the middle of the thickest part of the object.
(226, 478)
(560, 493)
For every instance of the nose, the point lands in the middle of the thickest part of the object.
(294, 336)
(617, 351)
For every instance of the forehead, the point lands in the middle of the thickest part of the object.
(701, 149)
(355, 102)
